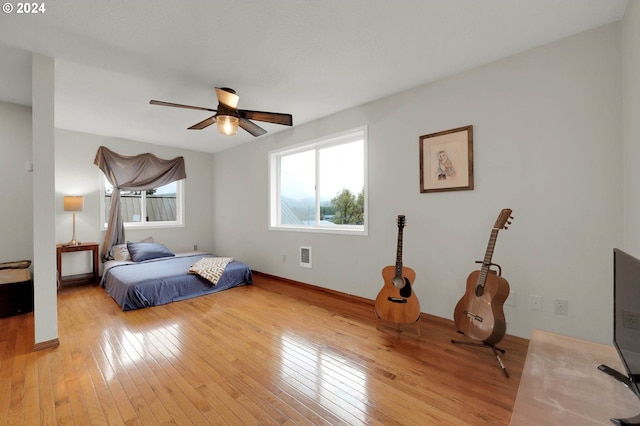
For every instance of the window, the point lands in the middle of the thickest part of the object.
(320, 185)
(153, 208)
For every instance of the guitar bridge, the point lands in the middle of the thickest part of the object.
(473, 316)
(397, 299)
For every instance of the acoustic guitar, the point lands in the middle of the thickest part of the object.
(479, 314)
(396, 301)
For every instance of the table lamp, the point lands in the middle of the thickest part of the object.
(73, 203)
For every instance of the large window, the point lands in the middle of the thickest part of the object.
(159, 207)
(321, 185)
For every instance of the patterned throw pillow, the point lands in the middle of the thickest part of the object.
(210, 268)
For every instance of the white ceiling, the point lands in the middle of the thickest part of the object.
(307, 58)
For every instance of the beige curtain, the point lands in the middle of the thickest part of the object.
(132, 173)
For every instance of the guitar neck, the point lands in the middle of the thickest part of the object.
(486, 262)
(399, 255)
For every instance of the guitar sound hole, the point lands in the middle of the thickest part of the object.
(479, 290)
(398, 282)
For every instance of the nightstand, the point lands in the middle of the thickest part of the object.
(61, 248)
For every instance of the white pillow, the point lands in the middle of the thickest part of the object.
(120, 252)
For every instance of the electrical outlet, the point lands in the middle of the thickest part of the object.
(195, 247)
(535, 302)
(631, 319)
(561, 306)
(511, 300)
(284, 258)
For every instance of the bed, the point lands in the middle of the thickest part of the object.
(135, 285)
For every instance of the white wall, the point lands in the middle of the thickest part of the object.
(547, 143)
(16, 219)
(77, 175)
(631, 126)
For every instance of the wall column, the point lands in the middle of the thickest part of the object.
(44, 257)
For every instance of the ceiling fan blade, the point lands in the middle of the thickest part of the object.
(268, 117)
(251, 127)
(204, 123)
(171, 104)
(227, 96)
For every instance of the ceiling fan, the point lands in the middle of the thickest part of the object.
(228, 117)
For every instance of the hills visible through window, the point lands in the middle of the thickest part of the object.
(321, 185)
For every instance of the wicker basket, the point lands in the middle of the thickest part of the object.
(16, 288)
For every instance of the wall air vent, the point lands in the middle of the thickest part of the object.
(305, 257)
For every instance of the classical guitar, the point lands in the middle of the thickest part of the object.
(479, 314)
(396, 301)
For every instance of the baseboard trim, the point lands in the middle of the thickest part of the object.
(340, 294)
(53, 343)
(347, 296)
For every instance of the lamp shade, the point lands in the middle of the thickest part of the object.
(227, 124)
(73, 203)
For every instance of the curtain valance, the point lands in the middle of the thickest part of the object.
(132, 173)
(138, 172)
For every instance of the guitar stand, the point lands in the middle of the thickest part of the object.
(490, 264)
(494, 348)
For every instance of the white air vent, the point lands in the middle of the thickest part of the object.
(305, 257)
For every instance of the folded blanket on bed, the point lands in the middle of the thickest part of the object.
(210, 268)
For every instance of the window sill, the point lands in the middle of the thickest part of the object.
(363, 232)
(149, 226)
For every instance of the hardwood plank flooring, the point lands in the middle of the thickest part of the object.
(274, 353)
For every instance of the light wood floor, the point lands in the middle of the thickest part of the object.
(271, 353)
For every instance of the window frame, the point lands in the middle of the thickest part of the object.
(336, 139)
(143, 224)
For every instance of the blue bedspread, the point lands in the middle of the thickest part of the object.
(137, 285)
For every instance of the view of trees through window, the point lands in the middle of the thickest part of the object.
(345, 209)
(324, 186)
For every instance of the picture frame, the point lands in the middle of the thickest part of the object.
(446, 160)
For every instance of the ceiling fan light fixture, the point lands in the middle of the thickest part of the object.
(227, 124)
(228, 117)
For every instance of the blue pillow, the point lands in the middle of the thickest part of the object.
(147, 251)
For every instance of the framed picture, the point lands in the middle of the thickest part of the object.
(446, 160)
